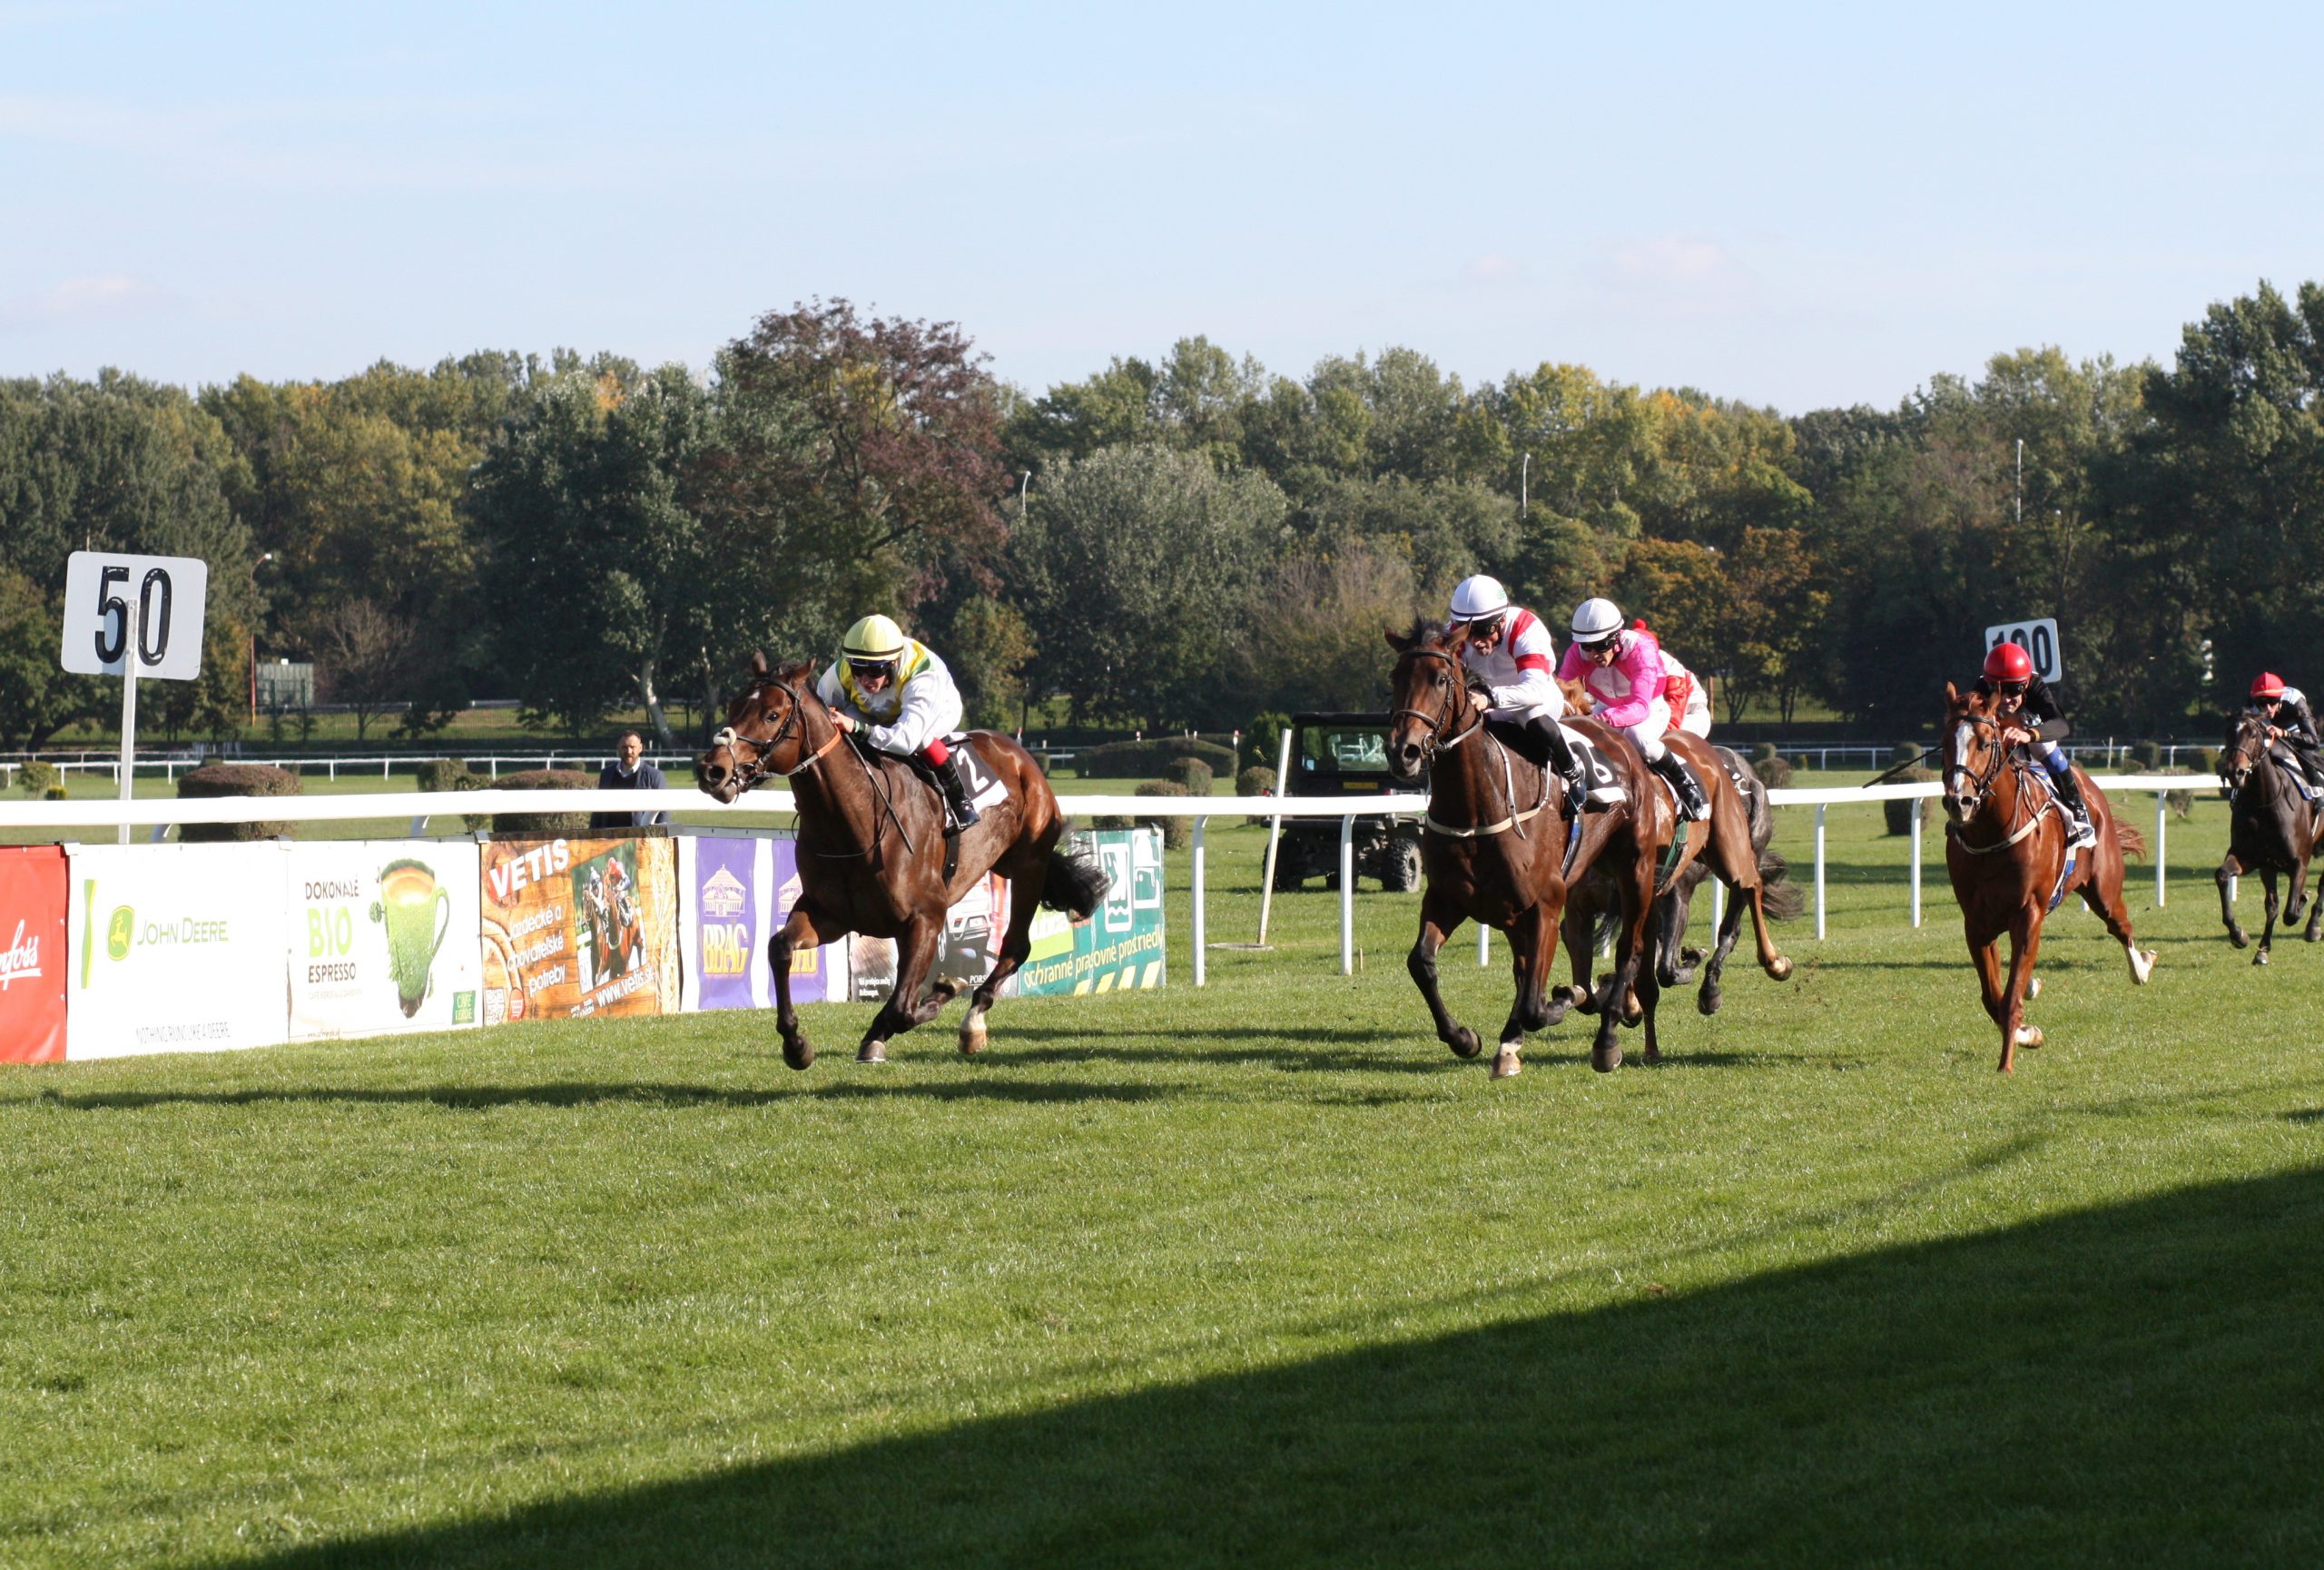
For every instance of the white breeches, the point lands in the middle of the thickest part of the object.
(1649, 732)
(1696, 721)
(2045, 750)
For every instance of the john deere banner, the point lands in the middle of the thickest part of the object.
(383, 937)
(32, 953)
(737, 890)
(175, 948)
(1121, 945)
(579, 926)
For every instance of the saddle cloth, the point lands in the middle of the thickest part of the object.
(2289, 762)
(1605, 785)
(985, 787)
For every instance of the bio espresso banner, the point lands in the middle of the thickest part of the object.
(737, 890)
(383, 937)
(32, 953)
(578, 926)
(175, 948)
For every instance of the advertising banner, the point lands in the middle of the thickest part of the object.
(32, 953)
(736, 892)
(175, 948)
(383, 937)
(1120, 946)
(579, 926)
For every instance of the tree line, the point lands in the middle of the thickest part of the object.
(1190, 541)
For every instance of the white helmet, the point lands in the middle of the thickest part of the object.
(1595, 620)
(1477, 598)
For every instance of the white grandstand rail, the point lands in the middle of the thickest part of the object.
(418, 808)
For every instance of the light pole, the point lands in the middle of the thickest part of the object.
(1024, 494)
(261, 561)
(2020, 481)
(1524, 472)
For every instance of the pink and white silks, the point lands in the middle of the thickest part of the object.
(1629, 694)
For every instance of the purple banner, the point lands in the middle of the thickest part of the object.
(727, 915)
(817, 975)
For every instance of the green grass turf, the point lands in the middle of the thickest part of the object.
(1250, 1274)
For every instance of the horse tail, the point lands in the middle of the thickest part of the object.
(2134, 843)
(1608, 926)
(1778, 896)
(1076, 883)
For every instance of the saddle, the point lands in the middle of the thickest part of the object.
(984, 786)
(2289, 761)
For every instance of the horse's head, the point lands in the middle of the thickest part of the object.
(764, 734)
(1429, 692)
(2246, 749)
(1973, 750)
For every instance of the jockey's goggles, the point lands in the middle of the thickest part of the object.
(1599, 645)
(2010, 688)
(1484, 627)
(867, 669)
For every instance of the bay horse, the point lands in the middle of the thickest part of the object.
(1675, 965)
(2006, 851)
(873, 857)
(1494, 848)
(2270, 829)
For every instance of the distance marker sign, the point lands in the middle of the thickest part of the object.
(146, 609)
(2038, 636)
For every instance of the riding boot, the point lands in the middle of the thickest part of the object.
(2069, 790)
(955, 792)
(1691, 801)
(1561, 760)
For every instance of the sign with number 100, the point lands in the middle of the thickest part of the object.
(121, 609)
(2038, 636)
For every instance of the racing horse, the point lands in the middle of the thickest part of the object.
(2006, 851)
(1495, 848)
(1592, 904)
(2270, 829)
(873, 856)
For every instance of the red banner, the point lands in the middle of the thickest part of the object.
(32, 953)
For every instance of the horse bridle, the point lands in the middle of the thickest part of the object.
(760, 766)
(2252, 758)
(1437, 739)
(1982, 783)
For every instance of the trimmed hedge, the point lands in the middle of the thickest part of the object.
(213, 780)
(1190, 772)
(2148, 755)
(543, 822)
(1258, 780)
(1774, 772)
(1145, 759)
(1899, 813)
(1177, 834)
(450, 774)
(36, 777)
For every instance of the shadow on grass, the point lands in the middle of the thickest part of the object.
(2130, 1385)
(480, 1098)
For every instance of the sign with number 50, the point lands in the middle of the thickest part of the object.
(122, 608)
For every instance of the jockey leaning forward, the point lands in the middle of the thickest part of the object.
(1624, 671)
(901, 698)
(1509, 652)
(2029, 713)
(1690, 704)
(2285, 712)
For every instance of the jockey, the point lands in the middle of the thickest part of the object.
(1680, 689)
(1627, 678)
(900, 696)
(1509, 652)
(2288, 719)
(2030, 713)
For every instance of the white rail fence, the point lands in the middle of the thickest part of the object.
(418, 809)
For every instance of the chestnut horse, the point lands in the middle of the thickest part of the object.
(1675, 965)
(1494, 849)
(873, 855)
(2005, 850)
(2270, 829)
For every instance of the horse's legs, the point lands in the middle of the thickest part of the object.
(2024, 943)
(2296, 898)
(1730, 927)
(1636, 885)
(1533, 943)
(1670, 914)
(2106, 903)
(805, 929)
(915, 952)
(1579, 926)
(1016, 942)
(2267, 934)
(1987, 959)
(2229, 870)
(1438, 918)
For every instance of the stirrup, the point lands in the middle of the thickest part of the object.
(1577, 790)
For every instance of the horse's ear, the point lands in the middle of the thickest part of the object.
(758, 662)
(1398, 641)
(1951, 695)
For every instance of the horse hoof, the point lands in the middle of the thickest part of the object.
(1555, 1011)
(2029, 1035)
(1781, 969)
(1506, 1064)
(943, 993)
(799, 1054)
(2032, 988)
(1606, 1059)
(972, 1035)
(1654, 1054)
(2261, 958)
(1465, 1043)
(2240, 938)
(872, 1053)
(1706, 1004)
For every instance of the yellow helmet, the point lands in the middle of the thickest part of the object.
(875, 637)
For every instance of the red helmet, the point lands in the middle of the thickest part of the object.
(2266, 684)
(2007, 662)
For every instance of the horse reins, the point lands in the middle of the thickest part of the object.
(1982, 784)
(764, 752)
(1438, 742)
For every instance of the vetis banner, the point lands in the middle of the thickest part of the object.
(32, 953)
(383, 937)
(579, 926)
(737, 892)
(175, 948)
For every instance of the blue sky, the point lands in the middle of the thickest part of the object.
(1800, 205)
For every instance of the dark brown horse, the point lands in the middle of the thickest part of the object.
(1674, 966)
(2006, 849)
(2270, 829)
(1494, 849)
(872, 854)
